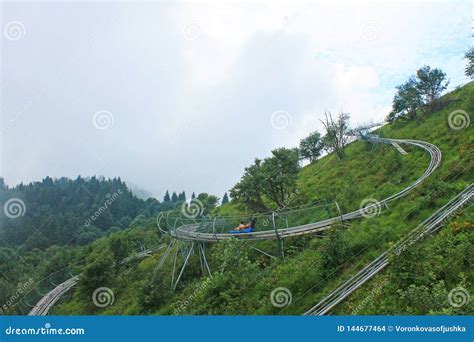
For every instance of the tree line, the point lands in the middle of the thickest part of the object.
(70, 211)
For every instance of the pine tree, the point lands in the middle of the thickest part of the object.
(3, 186)
(225, 199)
(193, 196)
(470, 66)
(174, 197)
(167, 197)
(182, 196)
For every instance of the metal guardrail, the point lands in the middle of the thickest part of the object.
(428, 227)
(193, 231)
(47, 302)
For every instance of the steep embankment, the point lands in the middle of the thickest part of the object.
(417, 282)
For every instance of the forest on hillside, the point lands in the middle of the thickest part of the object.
(311, 266)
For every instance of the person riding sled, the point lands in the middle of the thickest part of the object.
(241, 226)
(245, 228)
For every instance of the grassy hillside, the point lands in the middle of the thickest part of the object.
(417, 282)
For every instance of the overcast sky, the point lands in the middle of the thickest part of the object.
(183, 96)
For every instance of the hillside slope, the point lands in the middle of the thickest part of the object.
(243, 279)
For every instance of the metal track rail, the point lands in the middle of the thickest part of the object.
(47, 302)
(428, 227)
(190, 232)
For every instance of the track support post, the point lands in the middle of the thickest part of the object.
(279, 239)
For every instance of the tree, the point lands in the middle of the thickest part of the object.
(174, 197)
(125, 221)
(334, 250)
(431, 83)
(406, 100)
(120, 247)
(470, 63)
(87, 235)
(249, 190)
(97, 271)
(182, 196)
(337, 131)
(234, 270)
(272, 179)
(280, 173)
(167, 197)
(3, 186)
(311, 147)
(225, 199)
(193, 196)
(419, 92)
(208, 202)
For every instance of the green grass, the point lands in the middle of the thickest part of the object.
(313, 266)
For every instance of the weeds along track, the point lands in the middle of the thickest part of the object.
(205, 231)
(428, 227)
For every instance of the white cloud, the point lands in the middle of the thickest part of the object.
(192, 86)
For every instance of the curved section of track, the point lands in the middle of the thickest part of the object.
(191, 232)
(47, 302)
